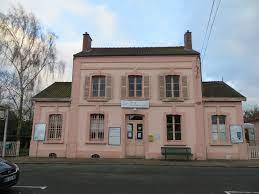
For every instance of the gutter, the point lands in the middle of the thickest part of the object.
(51, 99)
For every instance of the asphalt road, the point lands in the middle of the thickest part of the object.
(135, 179)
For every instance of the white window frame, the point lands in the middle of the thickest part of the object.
(172, 86)
(217, 130)
(55, 127)
(173, 127)
(97, 127)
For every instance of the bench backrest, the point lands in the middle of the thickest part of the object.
(175, 150)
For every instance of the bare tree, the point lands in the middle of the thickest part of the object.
(26, 50)
(251, 114)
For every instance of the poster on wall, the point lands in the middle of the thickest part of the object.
(114, 136)
(236, 134)
(39, 132)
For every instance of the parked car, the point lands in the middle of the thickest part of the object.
(9, 173)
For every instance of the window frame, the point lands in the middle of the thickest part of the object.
(97, 129)
(181, 142)
(135, 76)
(227, 124)
(98, 86)
(55, 141)
(174, 127)
(88, 128)
(172, 84)
(219, 140)
(172, 99)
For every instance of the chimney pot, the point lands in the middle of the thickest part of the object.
(188, 40)
(87, 40)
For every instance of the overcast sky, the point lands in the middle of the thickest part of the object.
(233, 49)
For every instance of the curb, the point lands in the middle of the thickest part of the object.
(173, 164)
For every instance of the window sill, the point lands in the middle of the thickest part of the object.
(97, 99)
(220, 144)
(96, 142)
(173, 100)
(53, 142)
(175, 143)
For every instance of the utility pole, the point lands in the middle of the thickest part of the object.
(5, 131)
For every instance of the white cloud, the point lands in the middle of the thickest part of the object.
(98, 18)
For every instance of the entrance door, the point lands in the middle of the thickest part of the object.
(134, 136)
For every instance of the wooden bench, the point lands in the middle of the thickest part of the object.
(176, 150)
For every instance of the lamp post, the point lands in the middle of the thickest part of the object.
(4, 116)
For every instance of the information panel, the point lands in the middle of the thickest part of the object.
(39, 132)
(236, 134)
(114, 136)
(135, 103)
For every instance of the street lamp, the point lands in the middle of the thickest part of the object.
(4, 116)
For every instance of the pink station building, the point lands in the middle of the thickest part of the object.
(132, 101)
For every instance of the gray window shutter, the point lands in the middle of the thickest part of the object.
(123, 87)
(185, 87)
(108, 87)
(162, 87)
(87, 87)
(146, 87)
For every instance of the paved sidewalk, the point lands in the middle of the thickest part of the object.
(207, 163)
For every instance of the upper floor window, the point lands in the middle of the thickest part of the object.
(135, 86)
(218, 129)
(97, 127)
(172, 86)
(55, 127)
(98, 86)
(173, 127)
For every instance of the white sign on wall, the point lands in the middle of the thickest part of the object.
(236, 134)
(135, 103)
(114, 136)
(39, 132)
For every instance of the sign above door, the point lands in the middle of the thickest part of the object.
(135, 103)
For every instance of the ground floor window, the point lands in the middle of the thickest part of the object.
(55, 127)
(173, 127)
(218, 129)
(97, 127)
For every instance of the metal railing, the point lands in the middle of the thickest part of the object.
(253, 152)
(11, 148)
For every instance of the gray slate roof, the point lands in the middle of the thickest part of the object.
(219, 89)
(212, 89)
(56, 91)
(137, 51)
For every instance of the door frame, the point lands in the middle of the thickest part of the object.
(144, 134)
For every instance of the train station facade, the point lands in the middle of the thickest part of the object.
(131, 101)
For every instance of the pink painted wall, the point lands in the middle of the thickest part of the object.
(42, 110)
(256, 126)
(193, 110)
(233, 111)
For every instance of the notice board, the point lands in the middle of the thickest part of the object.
(114, 136)
(39, 132)
(236, 134)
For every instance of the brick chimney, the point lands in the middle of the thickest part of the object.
(86, 42)
(188, 40)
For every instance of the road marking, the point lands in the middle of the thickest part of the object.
(241, 192)
(31, 187)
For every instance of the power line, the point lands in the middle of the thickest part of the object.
(207, 26)
(204, 54)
